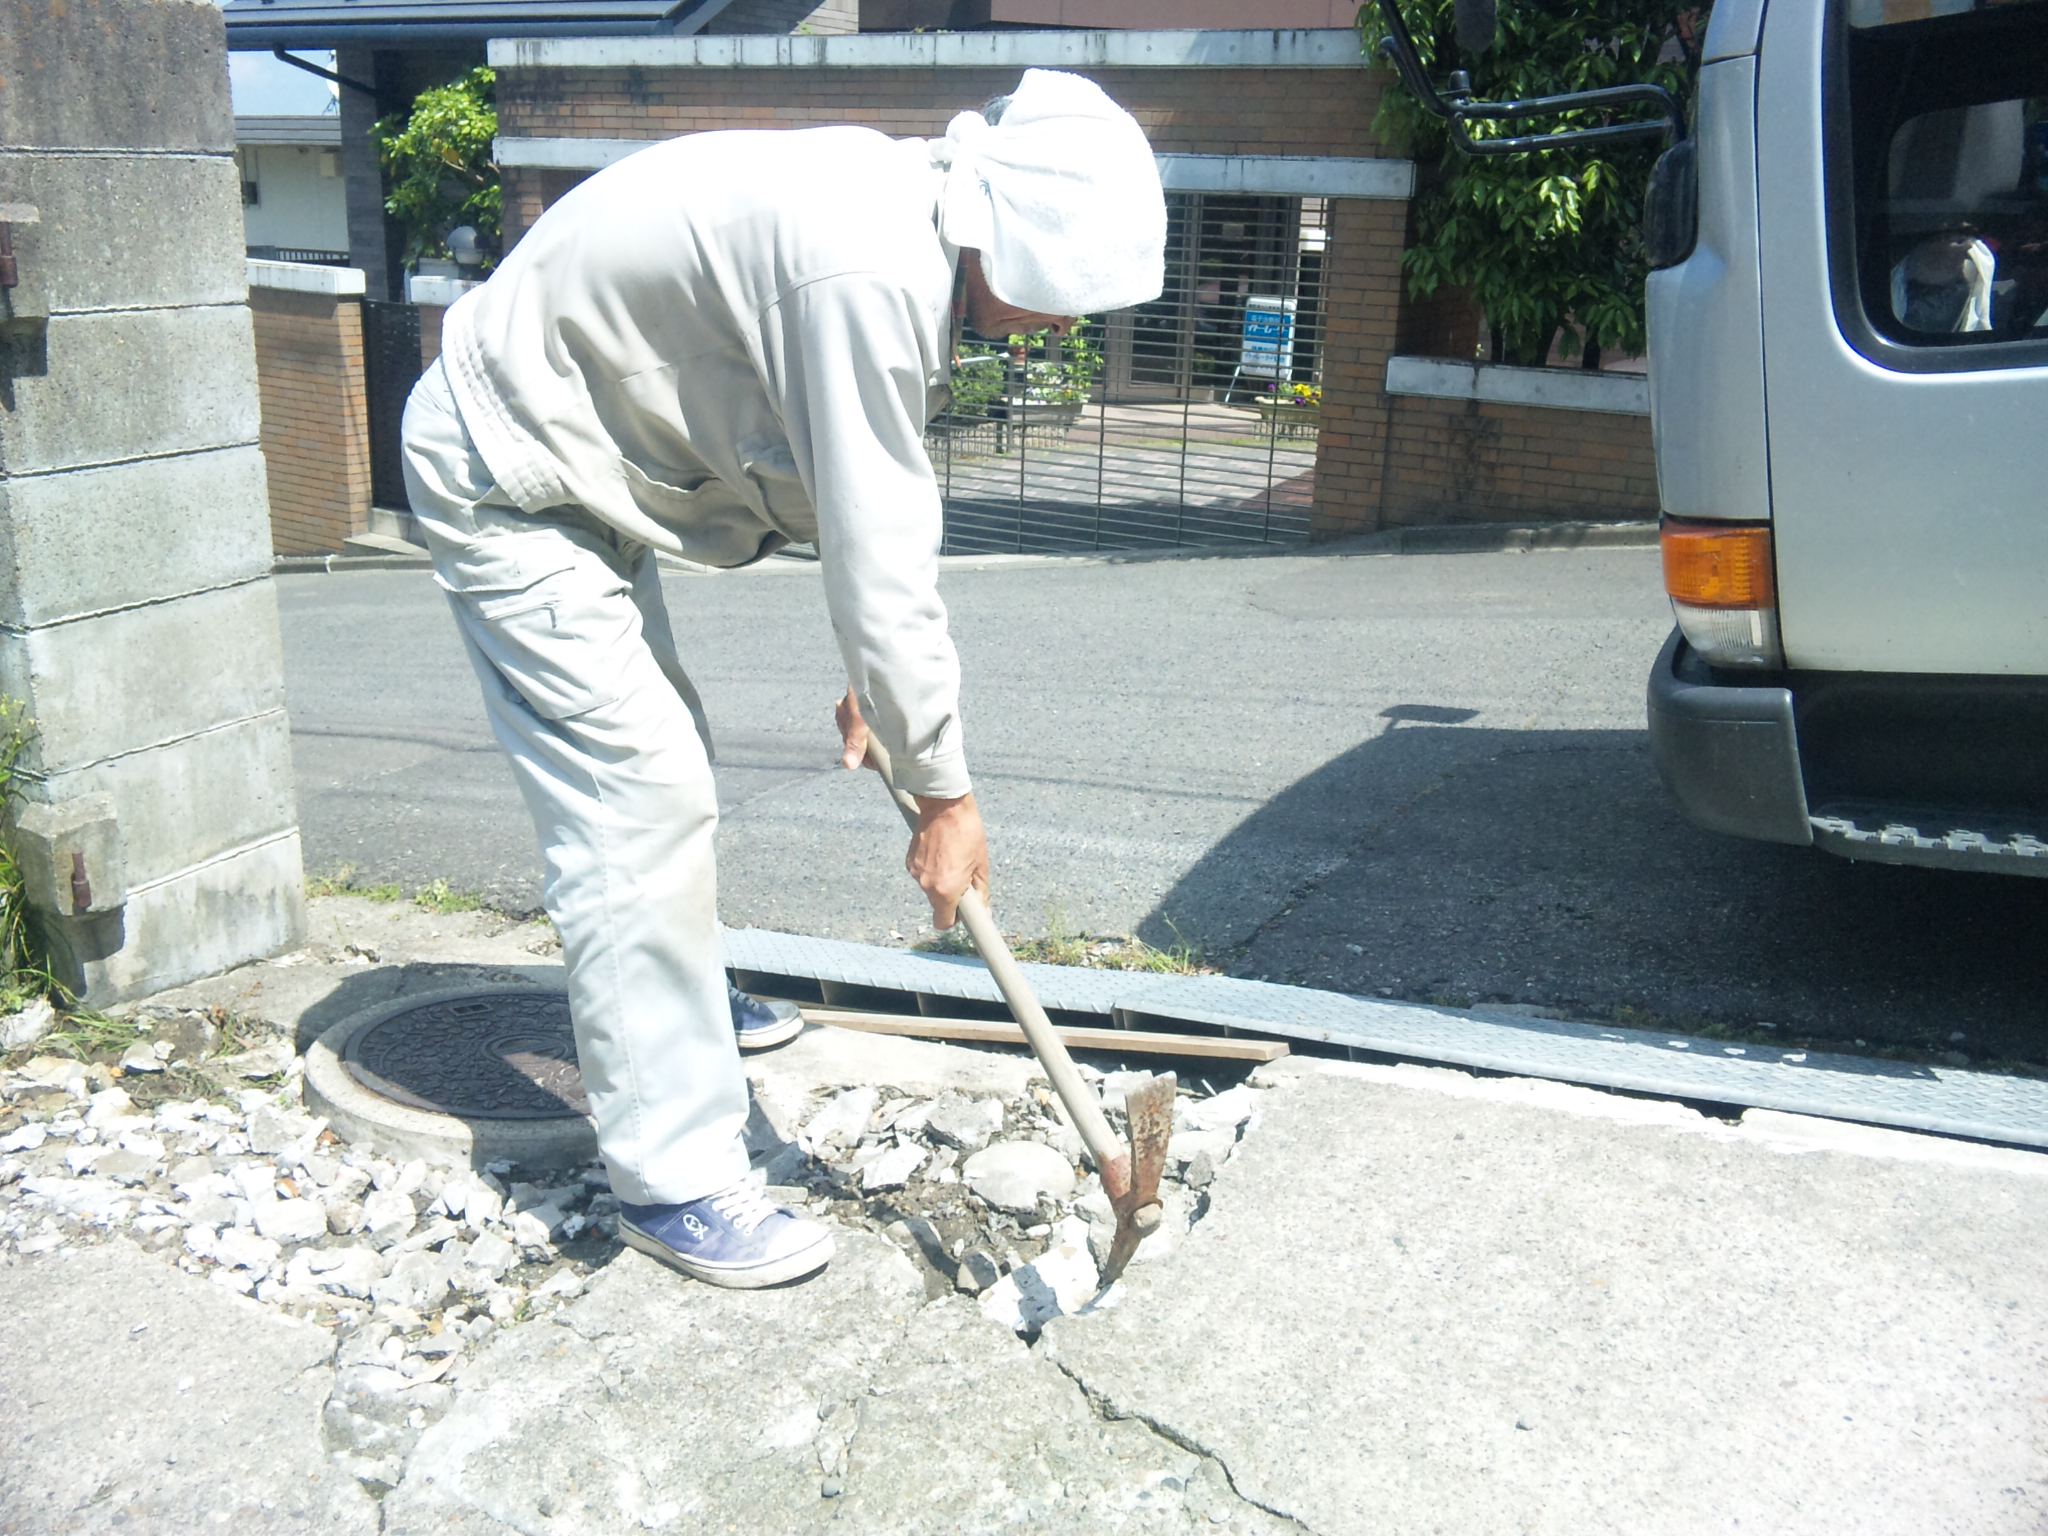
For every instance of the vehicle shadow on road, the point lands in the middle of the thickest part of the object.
(1445, 864)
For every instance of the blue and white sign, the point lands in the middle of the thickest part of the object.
(1268, 337)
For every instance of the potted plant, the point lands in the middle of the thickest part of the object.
(1027, 383)
(1292, 410)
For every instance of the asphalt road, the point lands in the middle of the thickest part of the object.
(1423, 776)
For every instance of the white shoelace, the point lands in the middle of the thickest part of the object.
(746, 1205)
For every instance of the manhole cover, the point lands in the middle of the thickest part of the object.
(497, 1055)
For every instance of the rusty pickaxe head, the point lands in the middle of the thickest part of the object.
(1131, 1179)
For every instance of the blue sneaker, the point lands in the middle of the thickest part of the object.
(737, 1238)
(758, 1023)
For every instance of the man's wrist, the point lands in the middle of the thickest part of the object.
(932, 807)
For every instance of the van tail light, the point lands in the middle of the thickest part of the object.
(1723, 591)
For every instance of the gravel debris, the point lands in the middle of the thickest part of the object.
(1062, 1280)
(143, 1056)
(25, 1139)
(843, 1121)
(388, 1215)
(289, 1221)
(412, 1266)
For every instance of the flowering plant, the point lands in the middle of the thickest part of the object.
(1296, 394)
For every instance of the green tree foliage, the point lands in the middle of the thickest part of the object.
(437, 162)
(1552, 238)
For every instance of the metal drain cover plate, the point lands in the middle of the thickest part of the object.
(501, 1054)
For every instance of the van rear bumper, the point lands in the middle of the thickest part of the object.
(1729, 753)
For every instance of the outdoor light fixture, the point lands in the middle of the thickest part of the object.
(464, 246)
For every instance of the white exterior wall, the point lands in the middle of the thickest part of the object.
(302, 196)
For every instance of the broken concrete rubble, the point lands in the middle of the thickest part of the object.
(1014, 1176)
(411, 1268)
(967, 1125)
(1059, 1282)
(27, 1025)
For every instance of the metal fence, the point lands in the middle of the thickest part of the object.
(391, 366)
(305, 255)
(1189, 420)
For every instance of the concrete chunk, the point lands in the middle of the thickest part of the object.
(1014, 1176)
(72, 856)
(963, 1123)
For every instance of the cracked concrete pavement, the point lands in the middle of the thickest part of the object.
(1434, 1302)
(1417, 1300)
(848, 1404)
(135, 1398)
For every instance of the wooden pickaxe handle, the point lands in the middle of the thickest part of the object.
(1112, 1159)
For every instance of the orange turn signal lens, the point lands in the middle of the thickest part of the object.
(1718, 565)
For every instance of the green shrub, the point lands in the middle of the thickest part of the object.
(24, 975)
(437, 157)
(1545, 240)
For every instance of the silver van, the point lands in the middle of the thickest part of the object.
(1849, 391)
(1848, 328)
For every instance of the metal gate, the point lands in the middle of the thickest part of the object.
(391, 366)
(1189, 420)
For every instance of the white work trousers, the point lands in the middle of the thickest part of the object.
(564, 621)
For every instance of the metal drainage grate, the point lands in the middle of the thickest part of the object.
(1910, 1096)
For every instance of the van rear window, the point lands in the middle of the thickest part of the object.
(1948, 135)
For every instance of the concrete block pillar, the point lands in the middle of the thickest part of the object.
(158, 827)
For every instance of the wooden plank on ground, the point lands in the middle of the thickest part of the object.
(1136, 1042)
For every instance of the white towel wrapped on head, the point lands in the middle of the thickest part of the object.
(1061, 197)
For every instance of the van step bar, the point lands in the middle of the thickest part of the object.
(1902, 835)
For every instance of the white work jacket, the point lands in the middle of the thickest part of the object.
(731, 341)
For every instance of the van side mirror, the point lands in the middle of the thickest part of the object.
(1474, 22)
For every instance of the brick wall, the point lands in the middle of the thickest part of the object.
(1479, 461)
(1192, 111)
(316, 440)
(430, 333)
(1361, 317)
(1446, 324)
(528, 193)
(1380, 460)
